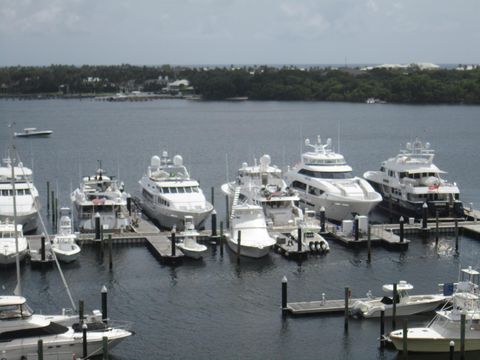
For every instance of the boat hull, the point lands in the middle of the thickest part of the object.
(194, 254)
(67, 257)
(248, 251)
(9, 259)
(429, 303)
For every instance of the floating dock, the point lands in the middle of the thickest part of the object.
(322, 307)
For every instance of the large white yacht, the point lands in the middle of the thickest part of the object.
(264, 186)
(410, 180)
(8, 246)
(27, 199)
(168, 194)
(100, 194)
(323, 179)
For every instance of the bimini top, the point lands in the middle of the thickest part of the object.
(12, 300)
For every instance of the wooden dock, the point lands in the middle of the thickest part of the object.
(35, 251)
(321, 307)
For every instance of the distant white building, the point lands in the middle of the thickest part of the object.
(178, 86)
(420, 66)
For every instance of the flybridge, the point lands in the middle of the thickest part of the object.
(417, 152)
(322, 154)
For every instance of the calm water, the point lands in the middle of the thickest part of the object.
(215, 308)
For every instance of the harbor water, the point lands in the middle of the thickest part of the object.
(216, 308)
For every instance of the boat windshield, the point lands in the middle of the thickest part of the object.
(8, 312)
(327, 175)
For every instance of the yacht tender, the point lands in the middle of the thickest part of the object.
(187, 241)
(410, 180)
(323, 179)
(8, 247)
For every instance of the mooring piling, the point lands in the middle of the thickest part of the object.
(402, 230)
(284, 294)
(104, 293)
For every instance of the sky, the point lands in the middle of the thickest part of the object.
(187, 32)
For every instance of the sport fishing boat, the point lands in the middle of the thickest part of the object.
(405, 304)
(445, 326)
(324, 179)
(27, 199)
(410, 179)
(168, 194)
(31, 132)
(100, 194)
(187, 241)
(63, 244)
(264, 186)
(310, 233)
(8, 247)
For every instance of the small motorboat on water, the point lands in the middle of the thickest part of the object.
(64, 245)
(188, 240)
(405, 304)
(311, 238)
(31, 132)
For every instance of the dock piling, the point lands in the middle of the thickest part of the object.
(221, 238)
(405, 343)
(214, 221)
(105, 347)
(369, 244)
(456, 236)
(239, 244)
(84, 338)
(227, 212)
(394, 306)
(110, 257)
(382, 329)
(42, 249)
(97, 226)
(40, 349)
(299, 240)
(48, 198)
(104, 304)
(462, 335)
(81, 305)
(424, 216)
(52, 202)
(347, 295)
(452, 350)
(436, 227)
(322, 219)
(213, 196)
(284, 294)
(402, 230)
(173, 243)
(357, 228)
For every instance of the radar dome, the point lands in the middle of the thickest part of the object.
(244, 165)
(165, 154)
(409, 146)
(427, 145)
(155, 162)
(307, 141)
(265, 160)
(329, 141)
(177, 160)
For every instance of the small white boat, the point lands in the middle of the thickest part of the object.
(311, 237)
(64, 245)
(8, 246)
(188, 240)
(30, 132)
(445, 326)
(405, 304)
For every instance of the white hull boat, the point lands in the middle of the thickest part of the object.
(63, 244)
(33, 132)
(324, 179)
(187, 241)
(8, 248)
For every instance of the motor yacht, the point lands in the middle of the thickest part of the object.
(323, 179)
(168, 194)
(264, 186)
(63, 244)
(8, 247)
(445, 326)
(410, 179)
(33, 132)
(405, 304)
(100, 195)
(187, 240)
(27, 199)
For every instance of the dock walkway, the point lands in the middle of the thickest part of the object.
(322, 307)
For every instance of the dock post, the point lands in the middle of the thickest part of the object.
(405, 344)
(104, 304)
(369, 244)
(462, 335)
(172, 238)
(129, 206)
(452, 349)
(436, 227)
(227, 211)
(347, 294)
(357, 230)
(110, 258)
(221, 238)
(284, 294)
(80, 311)
(394, 306)
(214, 222)
(48, 198)
(97, 226)
(382, 329)
(299, 240)
(105, 347)
(42, 249)
(456, 236)
(322, 219)
(424, 216)
(213, 196)
(239, 244)
(84, 338)
(402, 230)
(40, 349)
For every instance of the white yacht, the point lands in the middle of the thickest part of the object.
(323, 179)
(100, 194)
(187, 241)
(20, 330)
(249, 219)
(445, 326)
(31, 132)
(405, 304)
(264, 186)
(168, 194)
(63, 244)
(27, 199)
(410, 179)
(8, 247)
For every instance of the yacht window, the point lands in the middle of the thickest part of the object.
(27, 192)
(19, 192)
(312, 190)
(326, 175)
(7, 192)
(181, 190)
(299, 185)
(403, 174)
(147, 195)
(195, 189)
(382, 169)
(166, 190)
(173, 190)
(160, 190)
(457, 196)
(188, 189)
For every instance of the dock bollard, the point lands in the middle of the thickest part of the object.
(104, 304)
(105, 347)
(436, 227)
(80, 311)
(322, 219)
(40, 349)
(97, 226)
(221, 238)
(284, 294)
(299, 240)
(394, 306)
(456, 236)
(42, 249)
(369, 244)
(347, 295)
(382, 329)
(239, 244)
(452, 349)
(402, 230)
(462, 335)
(214, 223)
(405, 338)
(424, 216)
(84, 338)
(172, 238)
